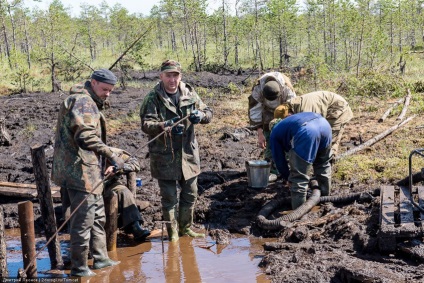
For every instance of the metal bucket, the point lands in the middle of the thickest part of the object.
(257, 173)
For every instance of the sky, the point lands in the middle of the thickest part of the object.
(133, 6)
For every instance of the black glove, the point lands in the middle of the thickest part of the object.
(196, 116)
(178, 129)
(117, 162)
(170, 122)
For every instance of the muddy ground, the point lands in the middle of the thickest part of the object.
(341, 248)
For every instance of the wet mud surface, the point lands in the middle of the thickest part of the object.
(332, 243)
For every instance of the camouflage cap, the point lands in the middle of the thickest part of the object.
(170, 66)
(271, 90)
(282, 111)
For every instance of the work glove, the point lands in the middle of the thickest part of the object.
(117, 162)
(196, 116)
(170, 122)
(178, 129)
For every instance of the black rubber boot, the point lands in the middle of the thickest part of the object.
(79, 257)
(138, 232)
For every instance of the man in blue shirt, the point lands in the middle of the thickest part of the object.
(306, 138)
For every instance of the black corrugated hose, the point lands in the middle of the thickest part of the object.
(285, 220)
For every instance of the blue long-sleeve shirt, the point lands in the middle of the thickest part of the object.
(306, 133)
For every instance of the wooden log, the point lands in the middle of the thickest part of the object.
(3, 254)
(131, 183)
(386, 114)
(373, 140)
(405, 106)
(111, 226)
(46, 204)
(26, 223)
(24, 186)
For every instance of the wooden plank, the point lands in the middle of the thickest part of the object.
(24, 186)
(387, 209)
(421, 203)
(406, 211)
(18, 192)
(24, 193)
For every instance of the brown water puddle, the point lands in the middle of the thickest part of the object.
(189, 260)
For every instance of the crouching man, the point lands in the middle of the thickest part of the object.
(306, 138)
(129, 218)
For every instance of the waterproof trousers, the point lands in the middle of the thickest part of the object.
(300, 172)
(170, 201)
(87, 225)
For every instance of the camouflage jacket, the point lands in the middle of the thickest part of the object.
(261, 110)
(80, 141)
(131, 165)
(330, 105)
(172, 157)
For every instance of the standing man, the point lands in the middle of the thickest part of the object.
(270, 90)
(174, 157)
(78, 166)
(306, 138)
(129, 216)
(329, 105)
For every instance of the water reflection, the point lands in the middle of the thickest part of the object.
(188, 260)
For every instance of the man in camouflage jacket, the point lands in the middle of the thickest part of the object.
(174, 157)
(270, 90)
(79, 153)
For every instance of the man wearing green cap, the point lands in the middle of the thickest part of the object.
(80, 152)
(270, 90)
(174, 157)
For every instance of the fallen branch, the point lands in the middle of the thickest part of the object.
(373, 140)
(405, 106)
(386, 114)
(129, 47)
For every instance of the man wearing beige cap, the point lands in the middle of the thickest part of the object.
(330, 105)
(270, 90)
(174, 157)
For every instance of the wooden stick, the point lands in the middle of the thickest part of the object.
(405, 106)
(46, 204)
(389, 110)
(373, 140)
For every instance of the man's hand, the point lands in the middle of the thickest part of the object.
(261, 139)
(170, 122)
(196, 116)
(110, 171)
(178, 129)
(117, 162)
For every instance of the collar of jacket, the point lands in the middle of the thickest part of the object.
(99, 102)
(187, 96)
